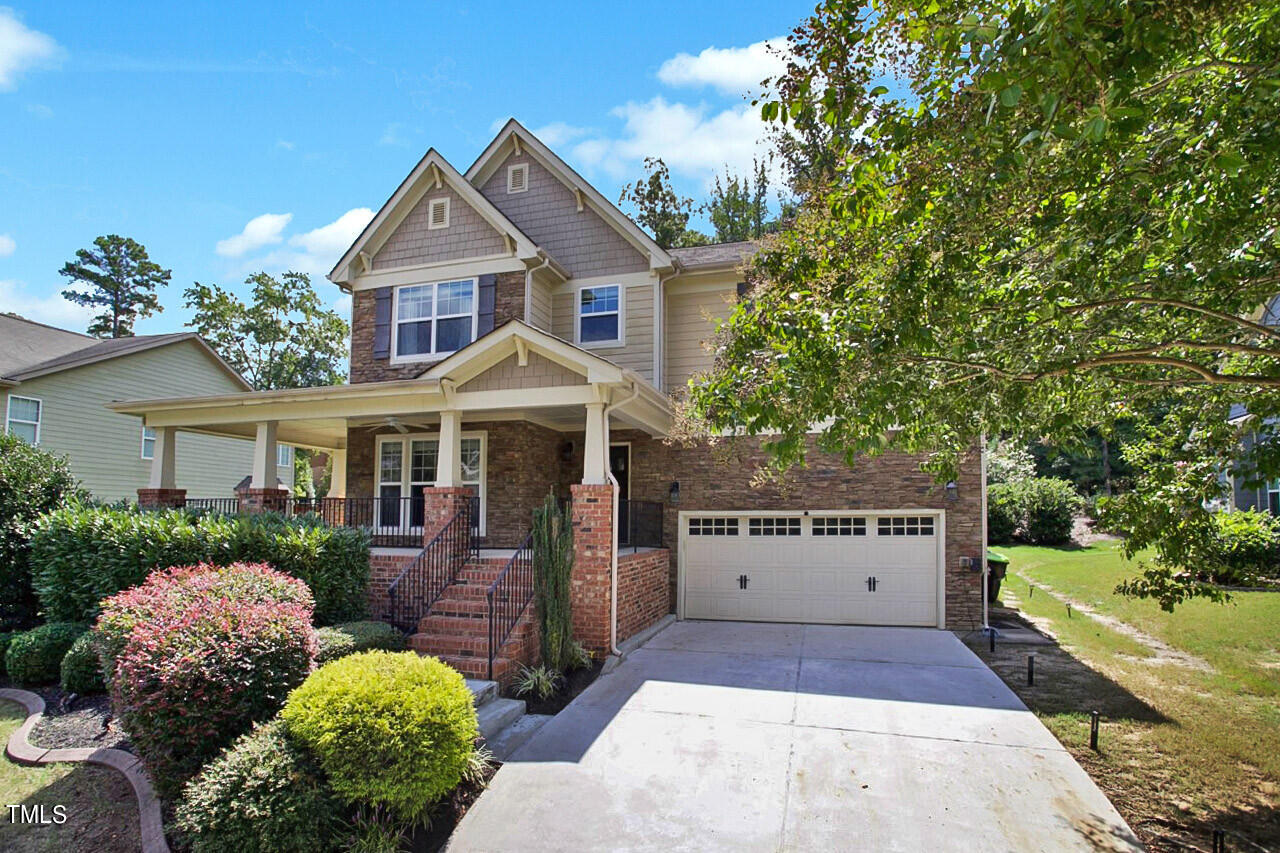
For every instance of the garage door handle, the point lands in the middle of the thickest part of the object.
(742, 581)
(871, 584)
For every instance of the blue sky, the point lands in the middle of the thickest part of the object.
(230, 137)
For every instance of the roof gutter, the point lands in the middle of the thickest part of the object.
(528, 285)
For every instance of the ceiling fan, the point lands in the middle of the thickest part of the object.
(398, 425)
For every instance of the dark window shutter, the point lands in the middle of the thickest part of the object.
(488, 294)
(382, 323)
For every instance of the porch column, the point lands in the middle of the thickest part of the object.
(595, 455)
(449, 464)
(263, 494)
(161, 490)
(593, 517)
(338, 474)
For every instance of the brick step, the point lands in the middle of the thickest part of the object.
(471, 607)
(478, 667)
(449, 644)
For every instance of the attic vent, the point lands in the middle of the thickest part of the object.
(518, 178)
(438, 213)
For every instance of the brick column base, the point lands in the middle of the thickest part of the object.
(254, 501)
(439, 505)
(161, 498)
(593, 520)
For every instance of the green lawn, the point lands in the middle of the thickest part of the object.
(1203, 752)
(100, 808)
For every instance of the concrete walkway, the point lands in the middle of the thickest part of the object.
(737, 736)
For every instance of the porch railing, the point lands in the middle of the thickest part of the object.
(224, 506)
(639, 524)
(412, 593)
(508, 596)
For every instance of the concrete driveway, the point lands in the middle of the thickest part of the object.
(740, 736)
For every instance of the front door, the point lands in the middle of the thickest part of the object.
(620, 465)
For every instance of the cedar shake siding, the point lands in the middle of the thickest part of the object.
(467, 236)
(580, 241)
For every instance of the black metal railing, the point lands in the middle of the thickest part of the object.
(225, 506)
(412, 593)
(508, 596)
(639, 524)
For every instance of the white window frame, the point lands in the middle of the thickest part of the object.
(1272, 488)
(511, 172)
(433, 355)
(431, 213)
(285, 452)
(619, 341)
(406, 467)
(9, 418)
(145, 438)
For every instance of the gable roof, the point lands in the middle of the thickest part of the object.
(102, 350)
(25, 343)
(432, 168)
(515, 134)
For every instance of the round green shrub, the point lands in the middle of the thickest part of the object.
(35, 656)
(265, 794)
(1004, 511)
(389, 729)
(82, 668)
(1050, 507)
(338, 641)
(1246, 547)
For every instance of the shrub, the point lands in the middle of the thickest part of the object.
(539, 681)
(35, 656)
(390, 729)
(264, 794)
(1004, 511)
(5, 637)
(1008, 462)
(552, 568)
(216, 656)
(81, 666)
(352, 637)
(1246, 546)
(81, 555)
(1049, 510)
(32, 482)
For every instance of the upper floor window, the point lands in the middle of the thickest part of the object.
(23, 418)
(148, 443)
(434, 319)
(600, 315)
(284, 455)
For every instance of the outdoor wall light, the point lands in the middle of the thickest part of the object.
(953, 491)
(674, 492)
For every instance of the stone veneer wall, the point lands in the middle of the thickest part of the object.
(508, 305)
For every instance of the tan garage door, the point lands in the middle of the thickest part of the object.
(864, 569)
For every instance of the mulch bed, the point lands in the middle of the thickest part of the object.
(434, 837)
(72, 721)
(573, 684)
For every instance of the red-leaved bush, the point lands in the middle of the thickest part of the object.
(204, 653)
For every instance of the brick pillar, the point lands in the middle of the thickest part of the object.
(440, 505)
(161, 498)
(254, 501)
(593, 520)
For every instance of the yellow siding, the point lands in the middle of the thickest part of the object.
(637, 354)
(690, 324)
(105, 448)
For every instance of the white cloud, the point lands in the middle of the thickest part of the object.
(285, 144)
(730, 70)
(41, 111)
(260, 231)
(22, 49)
(316, 251)
(52, 309)
(558, 133)
(696, 141)
(392, 135)
(7, 245)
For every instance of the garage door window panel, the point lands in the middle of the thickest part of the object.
(713, 527)
(839, 526)
(769, 526)
(905, 525)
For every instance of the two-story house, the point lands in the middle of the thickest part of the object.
(514, 333)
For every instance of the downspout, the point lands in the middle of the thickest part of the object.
(528, 286)
(986, 625)
(659, 321)
(613, 551)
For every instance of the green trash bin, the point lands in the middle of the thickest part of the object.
(997, 567)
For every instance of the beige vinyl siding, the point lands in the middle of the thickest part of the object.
(105, 448)
(690, 323)
(540, 306)
(468, 235)
(637, 353)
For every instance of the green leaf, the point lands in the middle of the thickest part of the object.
(1010, 95)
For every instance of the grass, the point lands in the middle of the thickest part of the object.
(1189, 743)
(101, 812)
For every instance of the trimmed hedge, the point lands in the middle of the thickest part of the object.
(81, 555)
(1246, 547)
(35, 656)
(1040, 510)
(82, 668)
(349, 638)
(265, 794)
(390, 729)
(210, 661)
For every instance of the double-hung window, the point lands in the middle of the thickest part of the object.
(23, 418)
(600, 315)
(284, 456)
(148, 443)
(406, 464)
(434, 319)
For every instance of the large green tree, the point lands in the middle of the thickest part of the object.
(283, 337)
(738, 205)
(121, 280)
(1063, 215)
(660, 210)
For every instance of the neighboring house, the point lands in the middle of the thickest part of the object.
(55, 384)
(513, 333)
(1245, 494)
